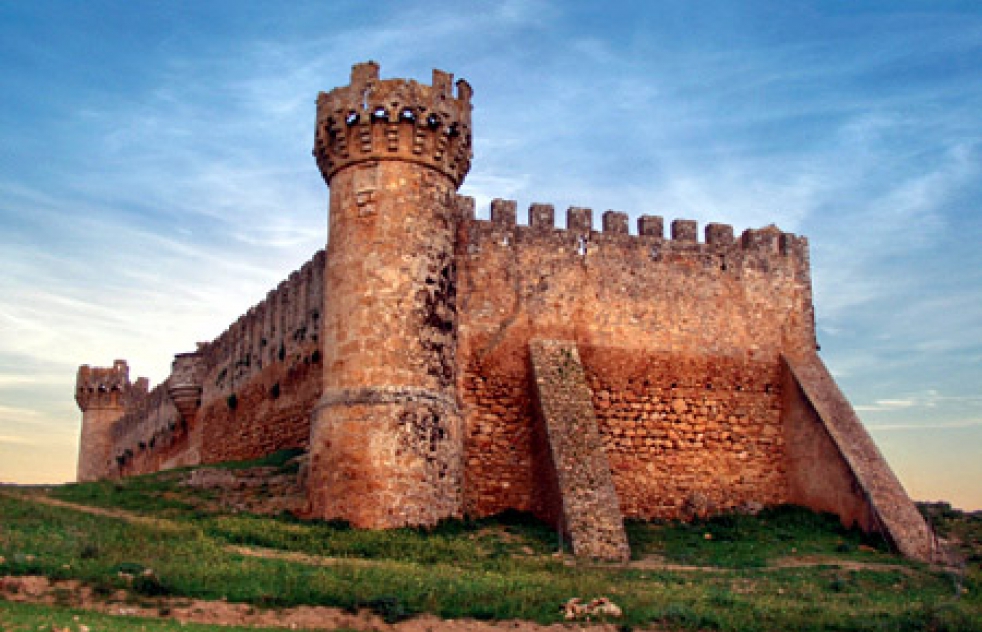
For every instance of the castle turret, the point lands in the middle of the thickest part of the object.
(386, 437)
(184, 385)
(103, 394)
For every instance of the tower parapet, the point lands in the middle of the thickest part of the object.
(108, 387)
(103, 394)
(395, 119)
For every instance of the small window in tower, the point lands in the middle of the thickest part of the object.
(352, 118)
(380, 114)
(407, 115)
(433, 122)
(453, 130)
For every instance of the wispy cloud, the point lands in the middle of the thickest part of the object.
(947, 425)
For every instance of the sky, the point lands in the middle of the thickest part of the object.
(156, 177)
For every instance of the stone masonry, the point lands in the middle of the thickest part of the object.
(104, 395)
(403, 357)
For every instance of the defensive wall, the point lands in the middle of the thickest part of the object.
(247, 393)
(438, 365)
(681, 340)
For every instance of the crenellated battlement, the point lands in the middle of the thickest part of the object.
(614, 229)
(287, 318)
(108, 387)
(395, 119)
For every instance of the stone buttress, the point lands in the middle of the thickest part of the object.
(386, 436)
(591, 517)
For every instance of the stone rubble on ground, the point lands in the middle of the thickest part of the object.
(576, 609)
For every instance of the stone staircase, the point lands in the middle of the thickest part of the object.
(591, 513)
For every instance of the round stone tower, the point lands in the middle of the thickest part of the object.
(387, 438)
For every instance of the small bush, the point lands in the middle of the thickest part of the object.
(390, 608)
(149, 585)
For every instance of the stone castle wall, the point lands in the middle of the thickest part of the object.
(685, 371)
(259, 379)
(681, 341)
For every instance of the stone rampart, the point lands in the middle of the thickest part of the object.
(680, 339)
(264, 361)
(267, 333)
(148, 434)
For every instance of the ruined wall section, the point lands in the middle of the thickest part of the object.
(258, 381)
(681, 341)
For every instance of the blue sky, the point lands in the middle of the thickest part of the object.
(156, 177)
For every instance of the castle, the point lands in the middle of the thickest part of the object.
(438, 365)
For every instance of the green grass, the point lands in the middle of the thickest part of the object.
(744, 541)
(280, 459)
(497, 568)
(160, 495)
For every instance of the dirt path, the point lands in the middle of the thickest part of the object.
(120, 514)
(73, 594)
(655, 563)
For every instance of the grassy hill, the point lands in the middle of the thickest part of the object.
(155, 546)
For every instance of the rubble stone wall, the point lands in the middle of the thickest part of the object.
(689, 435)
(680, 339)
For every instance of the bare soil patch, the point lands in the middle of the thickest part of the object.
(74, 594)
